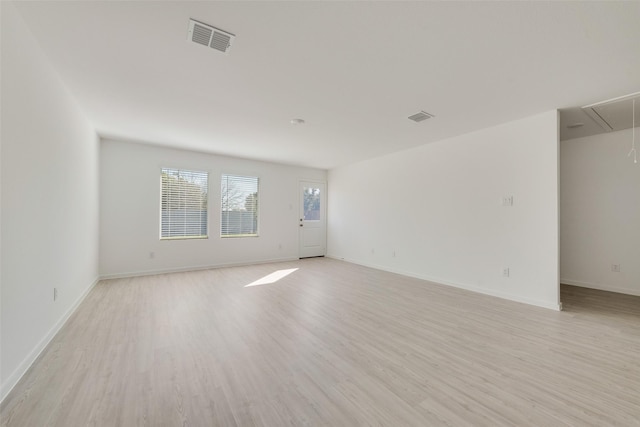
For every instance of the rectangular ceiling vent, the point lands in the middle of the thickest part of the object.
(206, 35)
(613, 114)
(422, 115)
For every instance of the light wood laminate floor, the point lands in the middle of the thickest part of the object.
(332, 344)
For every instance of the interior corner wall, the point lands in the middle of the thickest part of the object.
(435, 212)
(49, 193)
(600, 212)
(130, 211)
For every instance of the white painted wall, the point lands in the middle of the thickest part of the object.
(49, 200)
(600, 212)
(438, 208)
(130, 211)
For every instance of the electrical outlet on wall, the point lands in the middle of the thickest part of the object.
(507, 201)
(55, 294)
(615, 268)
(505, 271)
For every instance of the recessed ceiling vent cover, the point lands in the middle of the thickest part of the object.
(207, 35)
(613, 114)
(422, 115)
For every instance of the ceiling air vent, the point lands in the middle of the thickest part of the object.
(422, 115)
(207, 35)
(613, 114)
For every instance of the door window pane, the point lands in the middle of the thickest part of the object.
(311, 204)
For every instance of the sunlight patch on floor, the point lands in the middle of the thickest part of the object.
(272, 278)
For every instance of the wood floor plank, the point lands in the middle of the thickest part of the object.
(331, 344)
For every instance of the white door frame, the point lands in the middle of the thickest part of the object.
(312, 234)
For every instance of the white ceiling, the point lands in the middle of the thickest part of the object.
(353, 70)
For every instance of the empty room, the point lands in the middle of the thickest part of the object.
(270, 213)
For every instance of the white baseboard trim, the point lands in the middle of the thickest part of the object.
(635, 292)
(537, 303)
(17, 374)
(192, 268)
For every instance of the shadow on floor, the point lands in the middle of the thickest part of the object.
(583, 300)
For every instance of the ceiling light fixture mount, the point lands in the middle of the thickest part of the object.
(297, 121)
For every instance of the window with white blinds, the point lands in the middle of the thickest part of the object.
(239, 206)
(183, 206)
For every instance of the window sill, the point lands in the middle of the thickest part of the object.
(185, 238)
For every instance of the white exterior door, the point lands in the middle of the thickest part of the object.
(313, 219)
